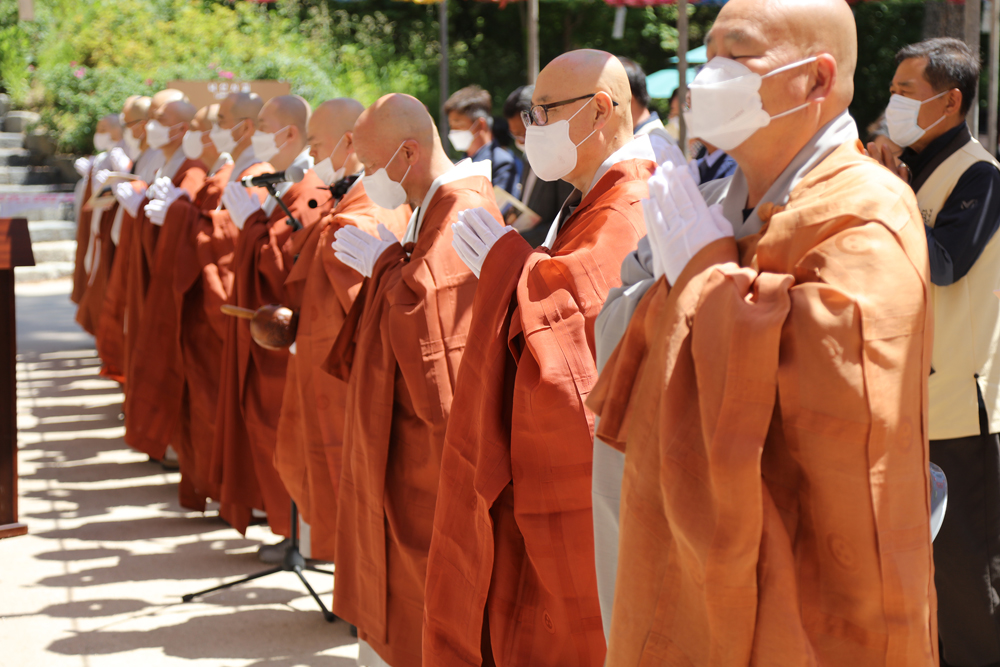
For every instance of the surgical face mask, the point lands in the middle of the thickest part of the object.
(223, 139)
(192, 144)
(264, 144)
(461, 139)
(901, 119)
(133, 146)
(384, 191)
(103, 142)
(158, 134)
(551, 153)
(726, 108)
(324, 168)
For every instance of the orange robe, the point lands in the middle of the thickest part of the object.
(772, 407)
(513, 533)
(409, 338)
(83, 224)
(91, 301)
(311, 427)
(253, 379)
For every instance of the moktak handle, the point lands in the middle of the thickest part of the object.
(236, 311)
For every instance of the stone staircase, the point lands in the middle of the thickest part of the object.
(30, 176)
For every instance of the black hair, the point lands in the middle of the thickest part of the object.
(518, 101)
(950, 64)
(636, 81)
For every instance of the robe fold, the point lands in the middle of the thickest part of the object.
(91, 302)
(321, 290)
(253, 379)
(149, 292)
(513, 533)
(772, 407)
(408, 331)
(83, 232)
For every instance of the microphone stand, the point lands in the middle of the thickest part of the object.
(293, 223)
(293, 562)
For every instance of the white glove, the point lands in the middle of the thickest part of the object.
(158, 187)
(678, 221)
(156, 211)
(118, 160)
(361, 251)
(83, 166)
(240, 203)
(165, 189)
(129, 197)
(475, 234)
(100, 178)
(672, 155)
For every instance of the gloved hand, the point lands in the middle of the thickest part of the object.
(118, 160)
(156, 211)
(165, 189)
(158, 186)
(359, 250)
(129, 197)
(83, 166)
(678, 222)
(475, 234)
(100, 178)
(240, 203)
(674, 156)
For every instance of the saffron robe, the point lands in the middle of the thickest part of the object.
(772, 407)
(102, 253)
(409, 330)
(321, 289)
(253, 379)
(513, 533)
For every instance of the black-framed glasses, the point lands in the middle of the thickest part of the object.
(539, 113)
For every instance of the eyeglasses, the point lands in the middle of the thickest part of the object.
(539, 113)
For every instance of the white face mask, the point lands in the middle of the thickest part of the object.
(264, 144)
(324, 168)
(461, 139)
(223, 139)
(133, 146)
(901, 119)
(726, 108)
(103, 142)
(192, 144)
(384, 191)
(158, 134)
(551, 153)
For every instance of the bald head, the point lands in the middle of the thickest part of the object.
(329, 125)
(178, 111)
(164, 97)
(286, 110)
(394, 119)
(136, 108)
(237, 107)
(110, 125)
(599, 124)
(201, 121)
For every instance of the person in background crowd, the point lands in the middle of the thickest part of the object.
(713, 163)
(543, 197)
(878, 134)
(673, 123)
(957, 183)
(647, 122)
(471, 132)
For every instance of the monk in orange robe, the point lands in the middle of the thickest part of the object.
(153, 402)
(110, 335)
(402, 342)
(253, 378)
(510, 580)
(770, 394)
(321, 289)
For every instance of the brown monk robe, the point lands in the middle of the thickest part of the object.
(253, 378)
(96, 251)
(150, 341)
(321, 290)
(203, 281)
(407, 333)
(511, 567)
(110, 336)
(772, 403)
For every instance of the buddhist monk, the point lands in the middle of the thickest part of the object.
(253, 378)
(510, 578)
(110, 337)
(89, 274)
(402, 342)
(321, 289)
(770, 391)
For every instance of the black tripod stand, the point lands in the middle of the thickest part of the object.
(294, 562)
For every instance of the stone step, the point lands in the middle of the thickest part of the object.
(29, 175)
(11, 140)
(47, 214)
(53, 251)
(14, 157)
(18, 121)
(42, 272)
(45, 231)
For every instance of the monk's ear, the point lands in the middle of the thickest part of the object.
(603, 109)
(411, 151)
(348, 143)
(826, 78)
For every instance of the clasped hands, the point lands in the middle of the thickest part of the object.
(475, 234)
(678, 221)
(162, 194)
(360, 250)
(240, 202)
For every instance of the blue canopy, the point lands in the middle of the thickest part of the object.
(697, 56)
(662, 84)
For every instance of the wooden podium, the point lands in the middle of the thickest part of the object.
(15, 250)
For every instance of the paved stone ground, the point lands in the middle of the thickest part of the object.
(97, 581)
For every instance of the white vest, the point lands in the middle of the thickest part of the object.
(966, 319)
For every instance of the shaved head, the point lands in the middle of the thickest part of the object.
(287, 118)
(178, 111)
(328, 127)
(601, 123)
(238, 107)
(112, 125)
(165, 97)
(201, 121)
(137, 108)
